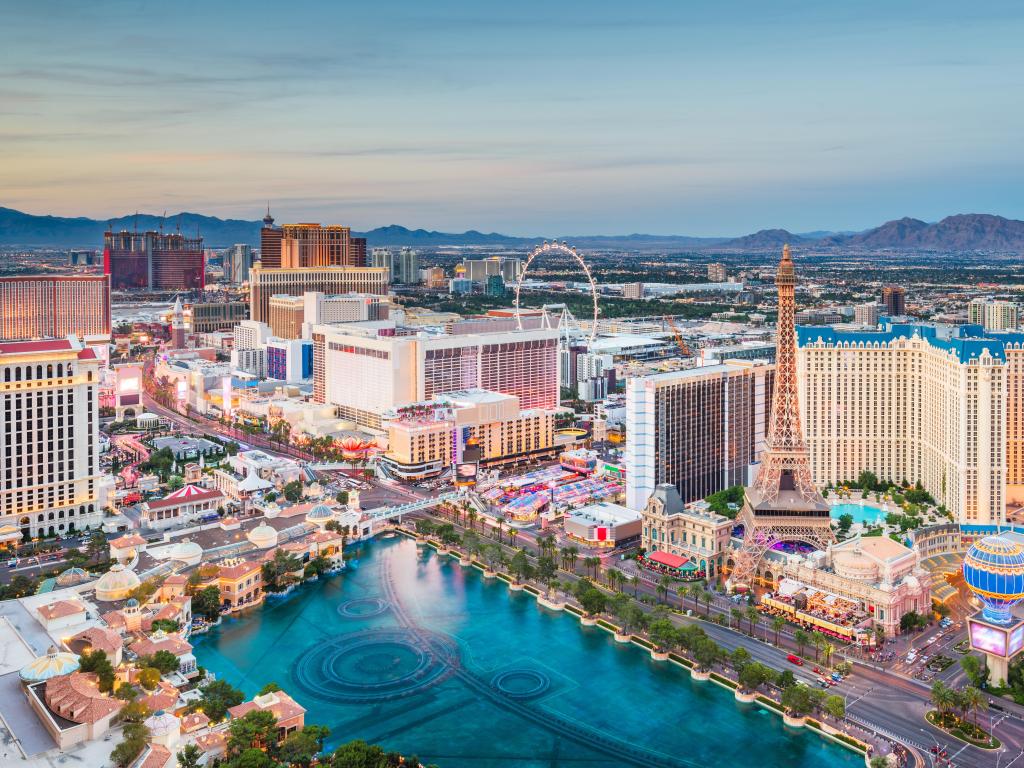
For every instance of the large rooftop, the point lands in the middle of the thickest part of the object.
(967, 342)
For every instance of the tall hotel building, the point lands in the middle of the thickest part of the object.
(700, 429)
(264, 283)
(314, 245)
(154, 261)
(366, 369)
(942, 405)
(49, 433)
(41, 307)
(270, 243)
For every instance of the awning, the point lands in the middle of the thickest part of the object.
(666, 559)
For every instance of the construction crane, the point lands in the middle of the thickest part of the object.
(684, 348)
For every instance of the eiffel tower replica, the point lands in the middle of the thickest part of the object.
(782, 504)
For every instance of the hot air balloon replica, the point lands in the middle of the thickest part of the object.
(994, 571)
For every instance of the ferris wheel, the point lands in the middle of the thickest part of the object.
(556, 247)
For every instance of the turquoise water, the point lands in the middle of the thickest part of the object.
(861, 514)
(411, 651)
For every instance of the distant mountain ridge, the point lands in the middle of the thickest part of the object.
(962, 232)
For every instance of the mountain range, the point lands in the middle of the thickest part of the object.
(962, 232)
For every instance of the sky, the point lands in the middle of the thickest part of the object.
(527, 118)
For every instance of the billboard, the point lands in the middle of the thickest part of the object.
(465, 474)
(987, 638)
(1016, 640)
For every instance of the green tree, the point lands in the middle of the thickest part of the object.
(706, 653)
(943, 697)
(739, 658)
(293, 491)
(797, 700)
(253, 758)
(801, 638)
(972, 700)
(520, 566)
(135, 712)
(845, 521)
(785, 679)
(753, 615)
(149, 677)
(278, 572)
(257, 728)
(835, 706)
(217, 697)
(166, 625)
(189, 756)
(299, 748)
(664, 584)
(663, 634)
(357, 754)
(134, 739)
(753, 675)
(206, 603)
(97, 662)
(976, 671)
(778, 622)
(270, 687)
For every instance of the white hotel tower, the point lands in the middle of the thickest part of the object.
(938, 404)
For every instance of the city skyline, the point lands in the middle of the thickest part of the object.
(659, 119)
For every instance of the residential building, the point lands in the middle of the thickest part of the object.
(633, 291)
(43, 306)
(72, 709)
(993, 315)
(264, 283)
(478, 270)
(717, 273)
(316, 245)
(460, 285)
(866, 314)
(51, 481)
(894, 298)
(434, 277)
(939, 405)
(289, 714)
(691, 531)
(154, 261)
(237, 260)
(240, 583)
(699, 429)
(212, 316)
(369, 368)
(251, 361)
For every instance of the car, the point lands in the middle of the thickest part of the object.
(836, 676)
(793, 659)
(817, 671)
(932, 639)
(823, 682)
(12, 563)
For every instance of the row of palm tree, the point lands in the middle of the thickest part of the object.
(820, 643)
(966, 699)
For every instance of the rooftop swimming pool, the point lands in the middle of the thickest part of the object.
(411, 651)
(862, 513)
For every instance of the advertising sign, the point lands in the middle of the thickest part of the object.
(988, 639)
(465, 474)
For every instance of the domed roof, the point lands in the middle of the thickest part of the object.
(263, 536)
(187, 551)
(320, 512)
(116, 583)
(131, 603)
(994, 571)
(162, 723)
(53, 664)
(72, 576)
(854, 565)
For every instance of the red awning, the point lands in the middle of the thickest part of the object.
(664, 558)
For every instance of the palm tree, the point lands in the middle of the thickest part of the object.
(737, 614)
(682, 591)
(802, 638)
(829, 649)
(635, 582)
(818, 640)
(707, 598)
(574, 554)
(973, 699)
(512, 533)
(564, 552)
(752, 617)
(943, 697)
(778, 623)
(472, 519)
(695, 591)
(501, 526)
(662, 589)
(592, 562)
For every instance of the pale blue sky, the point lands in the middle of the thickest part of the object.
(539, 118)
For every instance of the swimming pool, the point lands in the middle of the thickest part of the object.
(862, 513)
(411, 651)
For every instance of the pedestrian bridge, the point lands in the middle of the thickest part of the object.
(384, 513)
